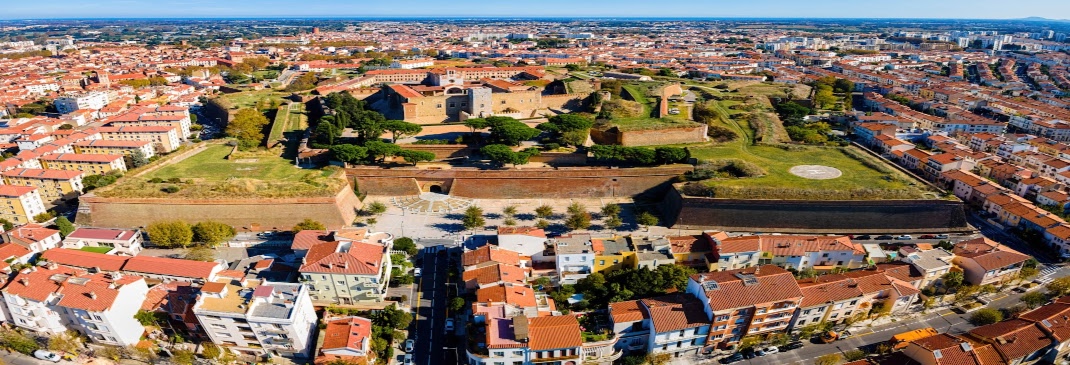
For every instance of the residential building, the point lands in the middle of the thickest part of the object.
(947, 349)
(631, 323)
(613, 254)
(1017, 341)
(94, 100)
(575, 257)
(347, 339)
(55, 186)
(744, 302)
(347, 272)
(254, 317)
(123, 241)
(88, 163)
(115, 147)
(527, 241)
(35, 237)
(163, 268)
(19, 204)
(163, 138)
(933, 264)
(984, 261)
(679, 325)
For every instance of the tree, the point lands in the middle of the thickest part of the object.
(183, 357)
(544, 211)
(952, 280)
(509, 131)
(542, 224)
(854, 355)
(966, 293)
(137, 159)
(14, 340)
(309, 225)
(405, 244)
(67, 342)
(613, 222)
(65, 226)
(213, 233)
(380, 150)
(475, 123)
(348, 153)
(456, 304)
(581, 220)
(473, 218)
(200, 253)
(7, 224)
(414, 157)
(830, 359)
(986, 316)
(248, 127)
(611, 210)
(1034, 299)
(509, 211)
(670, 155)
(1027, 273)
(646, 219)
(567, 122)
(375, 208)
(170, 234)
(211, 351)
(823, 97)
(400, 128)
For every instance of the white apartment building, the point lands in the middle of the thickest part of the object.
(575, 257)
(528, 241)
(256, 317)
(347, 272)
(93, 100)
(123, 241)
(52, 299)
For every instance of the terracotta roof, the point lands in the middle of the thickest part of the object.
(988, 254)
(304, 240)
(498, 273)
(347, 333)
(555, 332)
(771, 284)
(102, 233)
(9, 250)
(675, 312)
(1057, 316)
(33, 233)
(526, 231)
(815, 293)
(1013, 339)
(84, 259)
(15, 191)
(623, 312)
(689, 244)
(519, 295)
(490, 253)
(359, 259)
(171, 267)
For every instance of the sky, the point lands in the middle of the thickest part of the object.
(959, 9)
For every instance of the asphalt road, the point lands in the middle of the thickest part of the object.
(431, 308)
(15, 358)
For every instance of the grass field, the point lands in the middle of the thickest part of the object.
(641, 123)
(251, 99)
(209, 174)
(97, 249)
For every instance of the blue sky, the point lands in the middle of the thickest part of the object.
(986, 9)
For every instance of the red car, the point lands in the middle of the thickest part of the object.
(926, 237)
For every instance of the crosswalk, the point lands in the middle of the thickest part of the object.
(1047, 274)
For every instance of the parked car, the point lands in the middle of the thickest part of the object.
(864, 237)
(904, 237)
(749, 355)
(941, 236)
(769, 350)
(46, 355)
(791, 346)
(416, 272)
(736, 357)
(830, 336)
(926, 237)
(884, 237)
(409, 345)
(407, 359)
(449, 324)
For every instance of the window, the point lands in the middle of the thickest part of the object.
(601, 262)
(839, 263)
(499, 354)
(806, 312)
(802, 322)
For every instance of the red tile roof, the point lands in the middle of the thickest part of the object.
(490, 253)
(988, 254)
(304, 240)
(1013, 339)
(555, 332)
(85, 259)
(518, 295)
(498, 273)
(347, 333)
(360, 259)
(772, 284)
(623, 312)
(675, 312)
(171, 267)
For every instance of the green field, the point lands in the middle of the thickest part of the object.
(97, 249)
(209, 174)
(251, 99)
(634, 124)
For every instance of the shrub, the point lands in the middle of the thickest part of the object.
(986, 316)
(721, 134)
(171, 189)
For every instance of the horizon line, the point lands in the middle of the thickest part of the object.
(492, 17)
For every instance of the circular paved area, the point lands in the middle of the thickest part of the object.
(816, 172)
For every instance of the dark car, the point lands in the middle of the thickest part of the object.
(864, 237)
(749, 354)
(884, 237)
(926, 237)
(791, 346)
(736, 357)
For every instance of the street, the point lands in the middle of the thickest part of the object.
(430, 320)
(15, 358)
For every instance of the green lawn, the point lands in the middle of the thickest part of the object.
(641, 123)
(249, 99)
(212, 165)
(97, 249)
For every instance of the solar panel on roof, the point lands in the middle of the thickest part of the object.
(937, 354)
(710, 285)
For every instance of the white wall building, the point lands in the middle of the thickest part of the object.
(257, 318)
(93, 100)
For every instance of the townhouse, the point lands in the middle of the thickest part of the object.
(574, 255)
(789, 251)
(347, 272)
(35, 237)
(631, 323)
(257, 317)
(55, 186)
(613, 254)
(679, 325)
(91, 164)
(836, 298)
(932, 264)
(984, 261)
(19, 204)
(50, 299)
(949, 349)
(347, 339)
(115, 147)
(745, 302)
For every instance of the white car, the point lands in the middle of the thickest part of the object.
(407, 359)
(770, 350)
(409, 345)
(416, 272)
(46, 355)
(905, 237)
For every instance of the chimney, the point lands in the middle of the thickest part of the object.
(25, 281)
(346, 265)
(92, 295)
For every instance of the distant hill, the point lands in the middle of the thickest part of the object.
(1042, 19)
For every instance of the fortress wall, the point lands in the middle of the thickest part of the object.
(841, 217)
(244, 214)
(655, 137)
(526, 183)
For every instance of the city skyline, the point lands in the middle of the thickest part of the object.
(953, 9)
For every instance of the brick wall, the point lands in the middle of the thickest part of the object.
(842, 217)
(244, 214)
